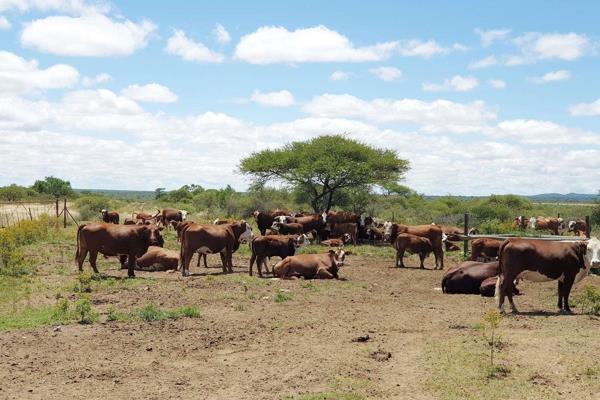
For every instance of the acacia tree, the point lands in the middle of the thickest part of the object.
(324, 167)
(54, 187)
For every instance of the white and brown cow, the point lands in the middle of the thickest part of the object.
(554, 225)
(540, 261)
(311, 266)
(432, 232)
(578, 227)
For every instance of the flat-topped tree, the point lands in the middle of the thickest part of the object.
(53, 187)
(324, 167)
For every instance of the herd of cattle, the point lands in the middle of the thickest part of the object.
(495, 268)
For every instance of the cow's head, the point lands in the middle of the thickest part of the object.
(154, 236)
(255, 213)
(247, 234)
(592, 253)
(387, 230)
(338, 257)
(346, 238)
(103, 211)
(324, 217)
(183, 214)
(561, 223)
(282, 219)
(275, 226)
(532, 223)
(519, 221)
(571, 226)
(302, 240)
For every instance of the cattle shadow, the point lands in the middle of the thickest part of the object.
(541, 313)
(415, 268)
(209, 273)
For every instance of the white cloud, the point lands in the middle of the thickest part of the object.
(89, 35)
(4, 22)
(18, 75)
(96, 80)
(75, 7)
(179, 44)
(456, 83)
(282, 98)
(221, 34)
(483, 63)
(543, 132)
(536, 46)
(339, 76)
(497, 83)
(435, 116)
(554, 76)
(490, 36)
(387, 74)
(426, 49)
(585, 109)
(272, 44)
(150, 93)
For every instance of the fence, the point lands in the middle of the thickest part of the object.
(15, 211)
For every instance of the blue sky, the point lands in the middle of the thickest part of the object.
(482, 98)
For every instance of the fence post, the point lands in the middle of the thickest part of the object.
(65, 214)
(57, 208)
(466, 232)
(588, 228)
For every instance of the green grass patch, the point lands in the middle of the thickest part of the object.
(31, 317)
(151, 313)
(282, 297)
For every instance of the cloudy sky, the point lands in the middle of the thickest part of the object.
(138, 95)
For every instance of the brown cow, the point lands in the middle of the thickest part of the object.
(414, 245)
(287, 229)
(432, 232)
(554, 225)
(263, 221)
(111, 217)
(263, 247)
(130, 241)
(128, 221)
(212, 239)
(485, 248)
(311, 222)
(467, 277)
(521, 222)
(579, 227)
(219, 221)
(345, 228)
(337, 242)
(170, 214)
(158, 259)
(144, 216)
(488, 287)
(539, 261)
(311, 266)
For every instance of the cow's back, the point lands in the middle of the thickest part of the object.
(468, 276)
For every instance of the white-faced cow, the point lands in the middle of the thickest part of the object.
(126, 241)
(539, 261)
(578, 227)
(110, 217)
(264, 220)
(432, 232)
(311, 266)
(554, 225)
(287, 229)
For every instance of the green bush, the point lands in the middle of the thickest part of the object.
(12, 261)
(89, 207)
(589, 300)
(84, 312)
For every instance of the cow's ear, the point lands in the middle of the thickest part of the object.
(332, 252)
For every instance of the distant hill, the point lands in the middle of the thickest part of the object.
(564, 198)
(142, 195)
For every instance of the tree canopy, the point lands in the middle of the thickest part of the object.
(326, 169)
(54, 187)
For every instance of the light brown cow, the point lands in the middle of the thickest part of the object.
(432, 232)
(212, 239)
(126, 241)
(337, 242)
(554, 225)
(345, 228)
(158, 259)
(414, 245)
(311, 266)
(485, 248)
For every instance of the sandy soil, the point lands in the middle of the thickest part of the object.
(246, 346)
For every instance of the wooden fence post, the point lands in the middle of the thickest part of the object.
(588, 228)
(56, 208)
(466, 232)
(65, 214)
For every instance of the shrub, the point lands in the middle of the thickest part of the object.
(84, 283)
(84, 312)
(589, 300)
(89, 207)
(281, 297)
(12, 261)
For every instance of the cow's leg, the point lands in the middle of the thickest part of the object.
(185, 262)
(131, 265)
(567, 286)
(439, 258)
(323, 274)
(123, 260)
(402, 258)
(506, 290)
(252, 259)
(560, 295)
(422, 258)
(81, 255)
(500, 293)
(93, 258)
(397, 258)
(229, 254)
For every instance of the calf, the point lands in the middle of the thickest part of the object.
(579, 227)
(413, 244)
(126, 241)
(111, 217)
(158, 259)
(485, 248)
(337, 242)
(488, 287)
(345, 228)
(263, 247)
(287, 229)
(539, 261)
(311, 266)
(468, 276)
(432, 232)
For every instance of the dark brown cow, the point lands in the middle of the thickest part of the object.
(287, 229)
(579, 227)
(158, 259)
(170, 214)
(451, 246)
(111, 217)
(467, 277)
(432, 232)
(554, 225)
(488, 287)
(485, 248)
(375, 233)
(310, 222)
(263, 247)
(263, 220)
(212, 239)
(345, 228)
(414, 245)
(539, 261)
(311, 266)
(452, 232)
(129, 241)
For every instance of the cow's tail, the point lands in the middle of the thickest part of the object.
(497, 291)
(182, 242)
(78, 234)
(500, 272)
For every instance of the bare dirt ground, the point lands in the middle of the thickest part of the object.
(247, 346)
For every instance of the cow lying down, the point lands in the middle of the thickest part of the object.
(311, 266)
(157, 259)
(472, 277)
